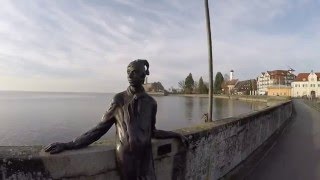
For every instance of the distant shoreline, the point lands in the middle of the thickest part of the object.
(201, 95)
(238, 97)
(190, 95)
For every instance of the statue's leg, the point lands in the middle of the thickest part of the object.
(147, 165)
(127, 165)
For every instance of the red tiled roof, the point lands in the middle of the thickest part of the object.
(302, 76)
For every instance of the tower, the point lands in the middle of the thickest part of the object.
(231, 75)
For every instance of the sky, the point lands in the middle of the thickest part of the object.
(85, 46)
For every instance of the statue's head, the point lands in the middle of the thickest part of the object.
(137, 71)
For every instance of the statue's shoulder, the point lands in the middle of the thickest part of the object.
(151, 99)
(119, 98)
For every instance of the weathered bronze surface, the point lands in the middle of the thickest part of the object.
(134, 113)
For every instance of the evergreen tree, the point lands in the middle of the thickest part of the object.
(189, 84)
(202, 89)
(195, 87)
(217, 83)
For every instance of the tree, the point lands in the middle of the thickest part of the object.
(182, 85)
(226, 77)
(195, 87)
(202, 88)
(158, 87)
(217, 83)
(189, 84)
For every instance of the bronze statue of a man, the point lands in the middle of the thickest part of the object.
(134, 113)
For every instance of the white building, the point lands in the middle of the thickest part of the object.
(272, 78)
(306, 85)
(263, 82)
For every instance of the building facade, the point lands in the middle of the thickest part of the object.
(306, 85)
(273, 78)
(247, 87)
(228, 85)
(281, 90)
(263, 82)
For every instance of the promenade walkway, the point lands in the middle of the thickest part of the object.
(296, 154)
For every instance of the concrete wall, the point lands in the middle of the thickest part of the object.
(215, 149)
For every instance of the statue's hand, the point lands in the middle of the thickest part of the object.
(55, 148)
(184, 141)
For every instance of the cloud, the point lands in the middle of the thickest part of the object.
(91, 42)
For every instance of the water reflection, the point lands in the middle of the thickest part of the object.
(217, 108)
(230, 107)
(188, 110)
(203, 105)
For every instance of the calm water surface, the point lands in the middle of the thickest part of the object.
(29, 118)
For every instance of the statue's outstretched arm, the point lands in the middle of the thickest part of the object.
(89, 137)
(95, 133)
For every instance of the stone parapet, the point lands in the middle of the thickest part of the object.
(215, 149)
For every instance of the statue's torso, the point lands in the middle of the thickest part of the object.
(134, 122)
(134, 114)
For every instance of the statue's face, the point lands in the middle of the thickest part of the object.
(136, 75)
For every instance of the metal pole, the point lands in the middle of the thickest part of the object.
(210, 60)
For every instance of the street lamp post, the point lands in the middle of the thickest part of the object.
(210, 60)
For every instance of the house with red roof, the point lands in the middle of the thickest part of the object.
(228, 85)
(306, 85)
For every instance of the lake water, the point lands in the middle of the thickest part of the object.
(36, 118)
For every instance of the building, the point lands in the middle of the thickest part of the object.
(306, 85)
(280, 90)
(228, 85)
(247, 87)
(273, 78)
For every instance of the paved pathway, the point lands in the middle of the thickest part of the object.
(296, 154)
